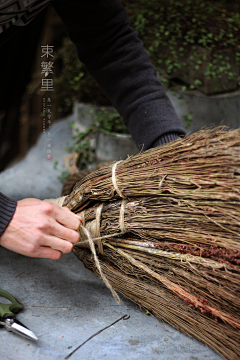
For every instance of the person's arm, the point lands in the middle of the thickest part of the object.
(7, 209)
(37, 228)
(113, 54)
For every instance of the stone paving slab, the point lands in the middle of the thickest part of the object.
(65, 304)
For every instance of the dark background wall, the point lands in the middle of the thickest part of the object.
(20, 58)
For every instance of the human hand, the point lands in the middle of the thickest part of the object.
(41, 229)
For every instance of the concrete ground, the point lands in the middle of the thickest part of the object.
(64, 303)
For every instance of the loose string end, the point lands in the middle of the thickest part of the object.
(98, 266)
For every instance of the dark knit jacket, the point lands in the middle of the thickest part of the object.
(113, 54)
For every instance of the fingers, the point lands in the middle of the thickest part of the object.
(59, 231)
(61, 223)
(57, 244)
(41, 229)
(74, 221)
(47, 247)
(63, 215)
(48, 253)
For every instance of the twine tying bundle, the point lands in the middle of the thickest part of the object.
(114, 180)
(97, 264)
(93, 229)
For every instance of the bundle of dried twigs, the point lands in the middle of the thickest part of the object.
(78, 175)
(166, 224)
(72, 180)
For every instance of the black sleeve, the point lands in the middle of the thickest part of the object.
(7, 209)
(113, 54)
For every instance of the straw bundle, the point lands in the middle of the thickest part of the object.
(76, 176)
(72, 180)
(166, 225)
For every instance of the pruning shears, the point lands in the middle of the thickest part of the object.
(8, 317)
